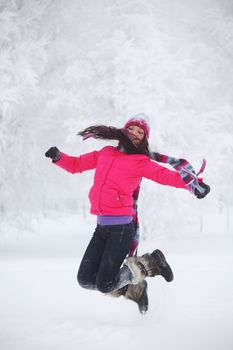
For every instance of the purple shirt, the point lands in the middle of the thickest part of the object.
(113, 220)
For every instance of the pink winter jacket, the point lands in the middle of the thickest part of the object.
(117, 175)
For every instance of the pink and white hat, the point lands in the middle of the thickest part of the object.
(140, 120)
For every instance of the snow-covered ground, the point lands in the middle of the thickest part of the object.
(42, 306)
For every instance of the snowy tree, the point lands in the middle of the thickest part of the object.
(67, 65)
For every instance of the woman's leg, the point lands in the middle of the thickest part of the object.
(110, 275)
(91, 260)
(101, 265)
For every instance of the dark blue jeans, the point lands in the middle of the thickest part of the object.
(100, 267)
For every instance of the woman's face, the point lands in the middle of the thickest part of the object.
(136, 134)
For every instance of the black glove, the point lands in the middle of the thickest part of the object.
(206, 188)
(53, 153)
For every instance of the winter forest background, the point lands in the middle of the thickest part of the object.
(65, 65)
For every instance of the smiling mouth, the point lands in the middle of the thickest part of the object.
(135, 139)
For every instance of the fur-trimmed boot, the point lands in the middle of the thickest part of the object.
(164, 267)
(117, 293)
(136, 293)
(149, 265)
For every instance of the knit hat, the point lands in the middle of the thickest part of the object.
(140, 120)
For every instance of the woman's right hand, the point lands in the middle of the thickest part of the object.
(53, 153)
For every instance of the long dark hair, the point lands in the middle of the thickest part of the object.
(104, 132)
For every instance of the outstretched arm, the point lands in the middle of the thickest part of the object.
(187, 173)
(162, 175)
(73, 164)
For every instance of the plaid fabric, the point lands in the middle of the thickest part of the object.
(184, 168)
(189, 176)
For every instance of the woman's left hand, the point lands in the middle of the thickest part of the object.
(204, 193)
